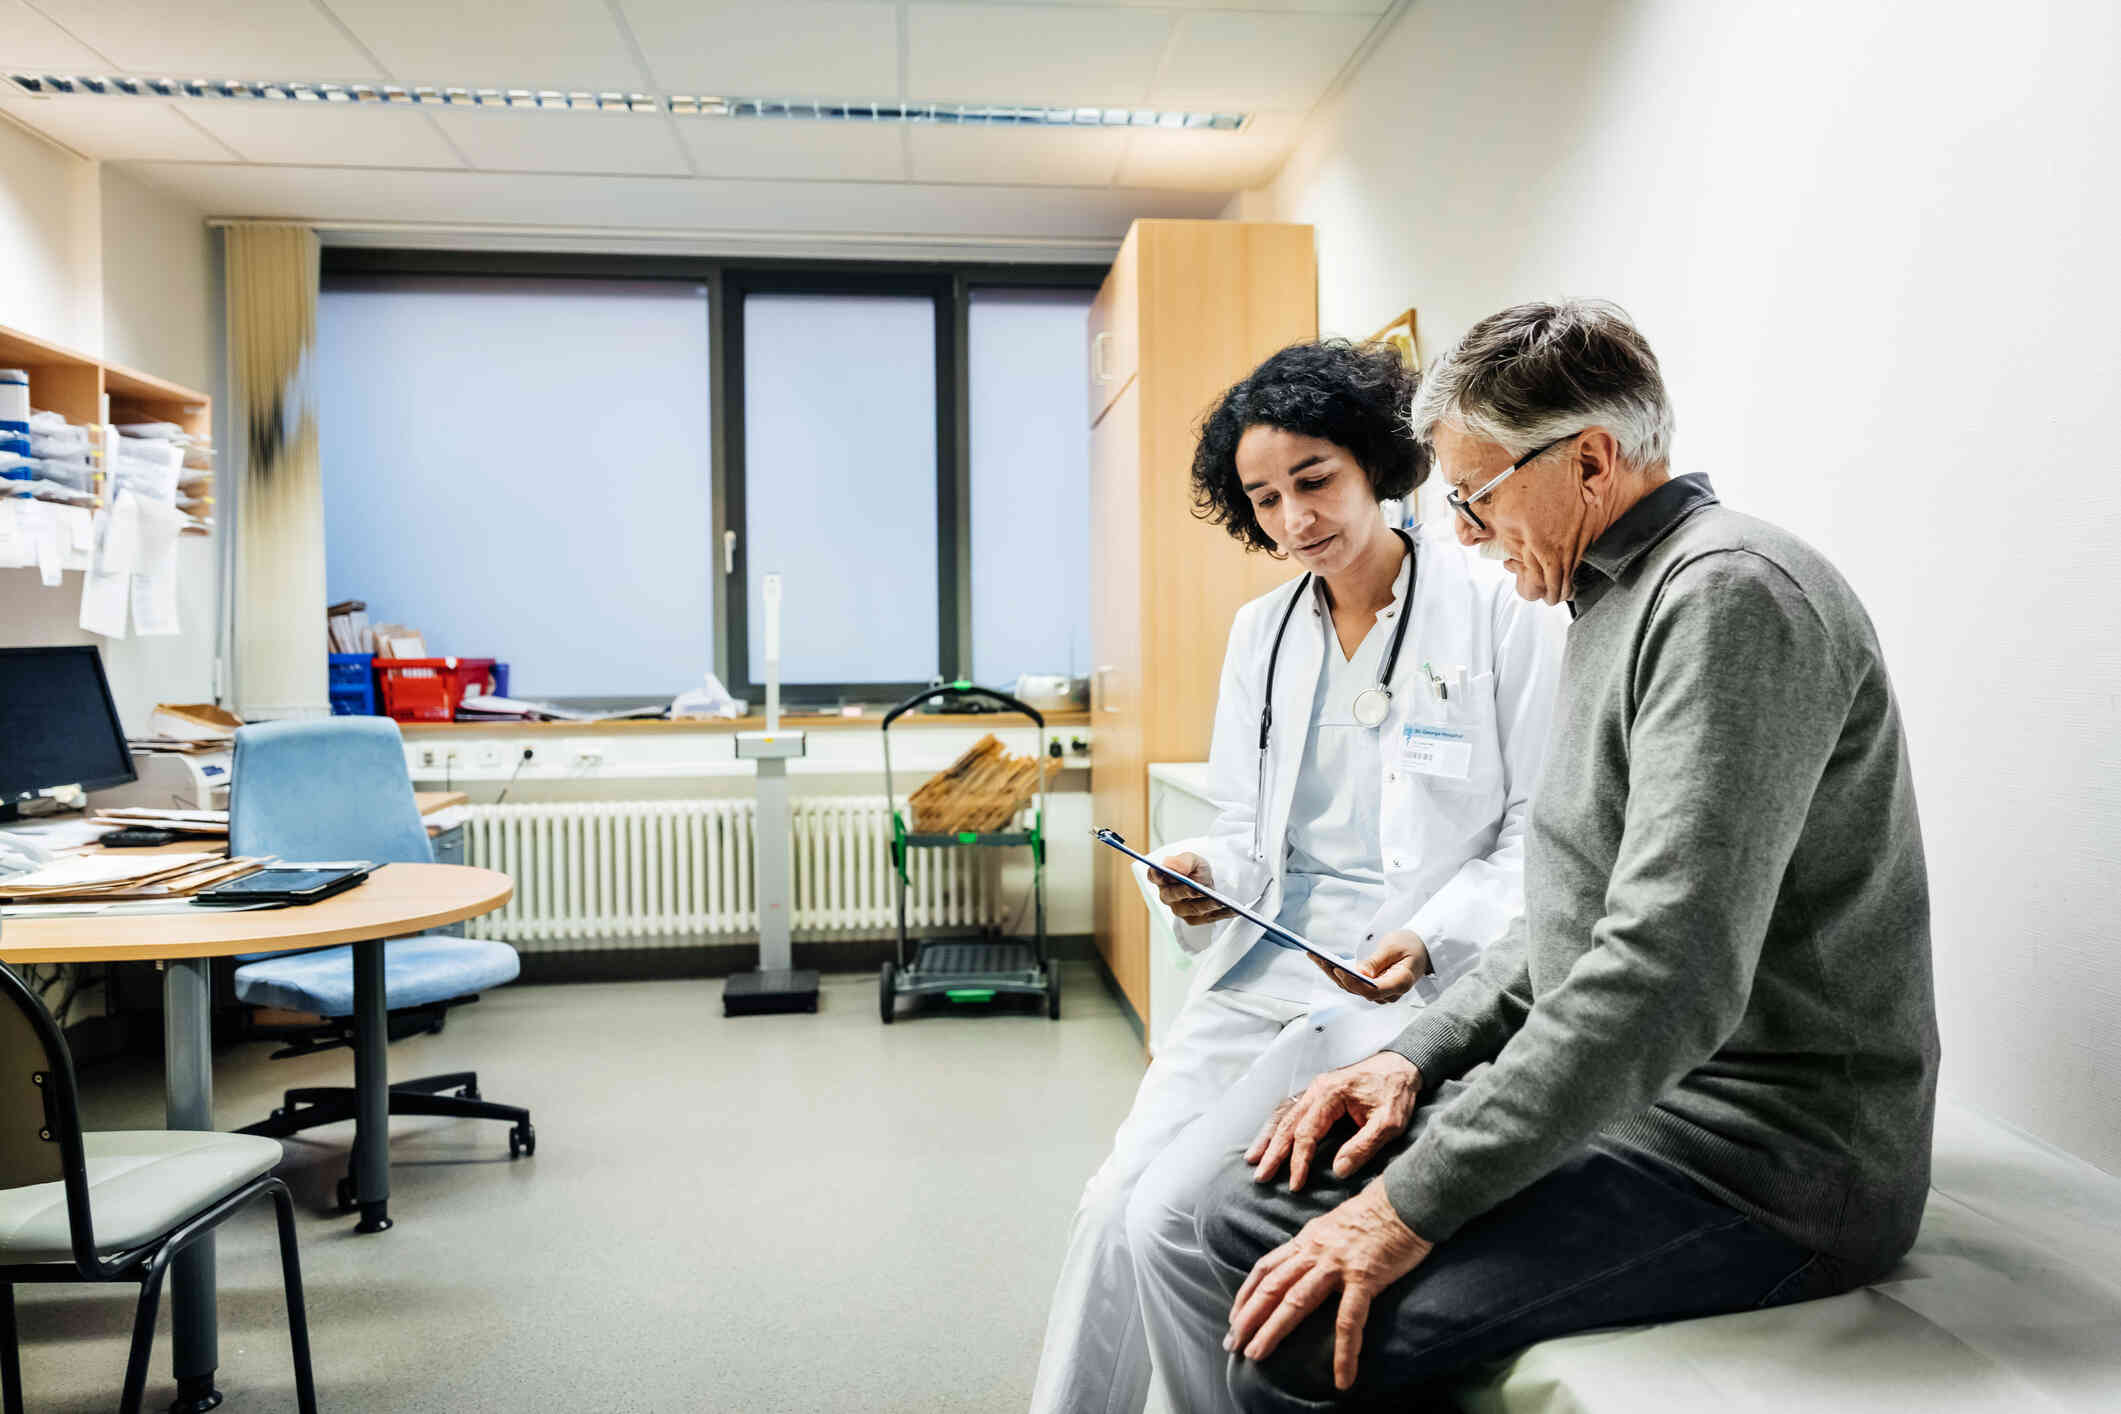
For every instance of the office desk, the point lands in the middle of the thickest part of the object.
(397, 900)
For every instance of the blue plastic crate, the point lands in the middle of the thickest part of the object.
(353, 684)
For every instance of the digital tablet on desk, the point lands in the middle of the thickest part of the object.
(289, 883)
(1275, 933)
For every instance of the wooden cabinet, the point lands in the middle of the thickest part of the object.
(1189, 308)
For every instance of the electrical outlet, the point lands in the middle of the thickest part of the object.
(491, 755)
(430, 759)
(589, 753)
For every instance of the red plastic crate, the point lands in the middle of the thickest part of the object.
(429, 689)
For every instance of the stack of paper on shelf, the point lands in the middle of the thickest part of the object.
(346, 625)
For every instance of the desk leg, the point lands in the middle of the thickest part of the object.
(188, 1069)
(371, 1088)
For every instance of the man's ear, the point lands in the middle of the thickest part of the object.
(1597, 461)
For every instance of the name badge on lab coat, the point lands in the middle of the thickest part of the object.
(1436, 751)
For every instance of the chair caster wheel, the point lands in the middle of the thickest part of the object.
(470, 1092)
(522, 1141)
(345, 1195)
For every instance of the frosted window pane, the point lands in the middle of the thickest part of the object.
(1030, 483)
(520, 469)
(839, 484)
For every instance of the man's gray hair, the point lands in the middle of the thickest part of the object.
(1537, 372)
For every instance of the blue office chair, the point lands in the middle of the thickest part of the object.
(338, 789)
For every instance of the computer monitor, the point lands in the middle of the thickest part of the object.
(58, 725)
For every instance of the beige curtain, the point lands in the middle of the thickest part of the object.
(278, 619)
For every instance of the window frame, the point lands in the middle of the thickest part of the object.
(728, 279)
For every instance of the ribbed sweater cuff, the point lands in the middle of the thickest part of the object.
(1438, 1044)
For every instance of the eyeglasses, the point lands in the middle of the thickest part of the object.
(1464, 504)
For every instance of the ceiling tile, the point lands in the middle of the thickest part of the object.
(1032, 54)
(30, 41)
(118, 129)
(311, 134)
(781, 217)
(1321, 7)
(568, 44)
(796, 150)
(1230, 59)
(1000, 156)
(1209, 161)
(236, 39)
(843, 49)
(636, 144)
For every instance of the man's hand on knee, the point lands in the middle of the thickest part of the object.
(1357, 1250)
(1379, 1094)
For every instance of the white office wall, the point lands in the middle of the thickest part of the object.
(1874, 245)
(519, 469)
(98, 262)
(50, 255)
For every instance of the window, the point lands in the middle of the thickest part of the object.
(585, 465)
(1030, 483)
(520, 468)
(841, 464)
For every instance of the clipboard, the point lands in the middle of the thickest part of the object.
(1274, 932)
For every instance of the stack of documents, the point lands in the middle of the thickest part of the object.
(183, 822)
(486, 708)
(116, 878)
(204, 722)
(346, 625)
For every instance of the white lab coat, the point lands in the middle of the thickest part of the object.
(1453, 848)
(1453, 853)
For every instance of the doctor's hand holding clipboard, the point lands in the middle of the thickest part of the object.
(1186, 886)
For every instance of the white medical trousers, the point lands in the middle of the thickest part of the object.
(1229, 1058)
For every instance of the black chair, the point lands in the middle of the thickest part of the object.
(114, 1206)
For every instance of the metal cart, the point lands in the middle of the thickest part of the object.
(968, 969)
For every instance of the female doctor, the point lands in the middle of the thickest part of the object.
(1381, 721)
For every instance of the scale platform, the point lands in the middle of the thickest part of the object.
(769, 991)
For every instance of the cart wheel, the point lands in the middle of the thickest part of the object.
(1053, 990)
(887, 992)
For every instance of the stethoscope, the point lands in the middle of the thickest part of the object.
(1372, 705)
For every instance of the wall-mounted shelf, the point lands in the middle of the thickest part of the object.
(75, 386)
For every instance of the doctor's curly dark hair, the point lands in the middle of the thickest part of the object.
(1354, 396)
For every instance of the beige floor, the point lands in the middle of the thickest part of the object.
(808, 1213)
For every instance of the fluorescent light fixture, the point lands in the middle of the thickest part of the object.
(683, 105)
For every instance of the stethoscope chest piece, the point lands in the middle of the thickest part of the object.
(1372, 706)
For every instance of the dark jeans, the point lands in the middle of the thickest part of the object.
(1608, 1239)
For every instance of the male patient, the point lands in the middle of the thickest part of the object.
(1701, 1077)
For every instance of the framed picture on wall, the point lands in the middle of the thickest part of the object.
(1400, 334)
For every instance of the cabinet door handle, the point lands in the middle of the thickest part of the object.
(1098, 346)
(1099, 674)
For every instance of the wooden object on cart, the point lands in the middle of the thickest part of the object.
(982, 790)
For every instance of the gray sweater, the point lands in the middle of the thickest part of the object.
(1725, 960)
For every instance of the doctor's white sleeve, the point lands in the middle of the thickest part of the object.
(1233, 776)
(1486, 896)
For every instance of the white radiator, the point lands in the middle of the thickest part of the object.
(676, 873)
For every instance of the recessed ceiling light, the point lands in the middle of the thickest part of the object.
(585, 101)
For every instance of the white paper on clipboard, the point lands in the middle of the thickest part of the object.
(1274, 931)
